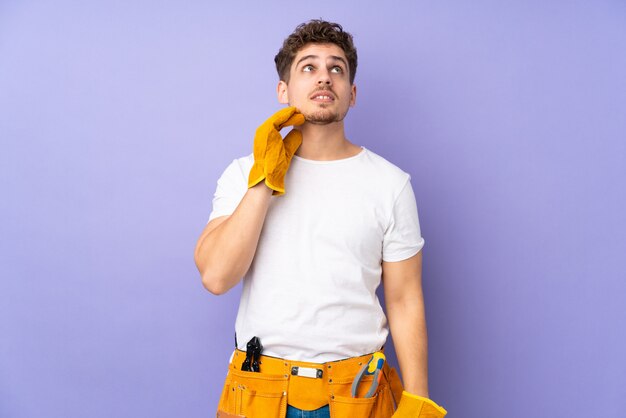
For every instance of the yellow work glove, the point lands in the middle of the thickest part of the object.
(414, 406)
(272, 155)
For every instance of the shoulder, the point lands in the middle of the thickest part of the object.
(245, 160)
(385, 170)
(239, 167)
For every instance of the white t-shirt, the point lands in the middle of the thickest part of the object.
(310, 292)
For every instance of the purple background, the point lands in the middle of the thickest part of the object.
(117, 118)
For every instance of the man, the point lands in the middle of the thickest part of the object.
(313, 223)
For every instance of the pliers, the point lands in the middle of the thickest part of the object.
(374, 366)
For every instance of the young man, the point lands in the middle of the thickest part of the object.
(313, 223)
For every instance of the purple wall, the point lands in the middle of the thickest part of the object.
(117, 118)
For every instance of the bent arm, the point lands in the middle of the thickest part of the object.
(227, 245)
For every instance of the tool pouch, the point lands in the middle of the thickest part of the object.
(253, 394)
(265, 394)
(343, 405)
(381, 404)
(395, 385)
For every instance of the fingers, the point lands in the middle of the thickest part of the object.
(295, 120)
(286, 117)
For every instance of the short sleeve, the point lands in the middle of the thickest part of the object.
(231, 187)
(403, 238)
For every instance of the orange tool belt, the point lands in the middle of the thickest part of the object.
(306, 386)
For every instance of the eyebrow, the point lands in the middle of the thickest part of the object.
(335, 57)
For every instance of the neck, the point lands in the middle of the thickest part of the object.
(325, 142)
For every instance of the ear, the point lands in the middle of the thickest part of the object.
(282, 92)
(353, 95)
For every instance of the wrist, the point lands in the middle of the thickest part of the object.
(262, 187)
(411, 392)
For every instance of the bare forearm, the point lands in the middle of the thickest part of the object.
(408, 328)
(225, 254)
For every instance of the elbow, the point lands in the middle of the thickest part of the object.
(209, 281)
(212, 284)
(215, 277)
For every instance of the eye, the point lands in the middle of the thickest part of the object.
(306, 66)
(340, 69)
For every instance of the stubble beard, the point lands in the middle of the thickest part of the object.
(324, 116)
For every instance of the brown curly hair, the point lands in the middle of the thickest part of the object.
(315, 31)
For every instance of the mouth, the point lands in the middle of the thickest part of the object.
(323, 97)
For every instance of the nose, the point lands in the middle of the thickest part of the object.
(324, 78)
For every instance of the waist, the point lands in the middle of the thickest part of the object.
(340, 369)
(309, 385)
(315, 334)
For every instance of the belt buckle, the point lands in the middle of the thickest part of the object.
(307, 372)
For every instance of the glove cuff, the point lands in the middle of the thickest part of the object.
(427, 401)
(278, 191)
(257, 173)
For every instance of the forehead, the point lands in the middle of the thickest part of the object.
(323, 51)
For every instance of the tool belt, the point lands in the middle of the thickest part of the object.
(307, 386)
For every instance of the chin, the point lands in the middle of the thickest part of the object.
(321, 117)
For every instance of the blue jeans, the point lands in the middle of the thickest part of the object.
(323, 412)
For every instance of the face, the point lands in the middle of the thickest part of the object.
(319, 84)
